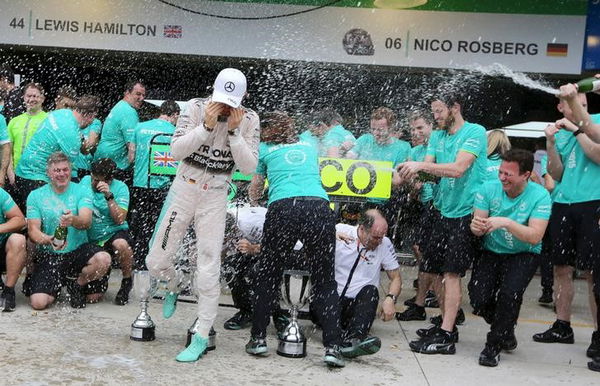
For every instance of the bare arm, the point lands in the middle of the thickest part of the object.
(590, 148)
(35, 234)
(5, 162)
(455, 169)
(89, 144)
(83, 220)
(555, 166)
(479, 222)
(580, 115)
(15, 221)
(531, 233)
(256, 188)
(388, 306)
(131, 152)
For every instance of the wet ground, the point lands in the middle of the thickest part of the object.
(92, 346)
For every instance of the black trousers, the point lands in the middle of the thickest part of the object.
(496, 289)
(311, 221)
(146, 205)
(546, 267)
(358, 313)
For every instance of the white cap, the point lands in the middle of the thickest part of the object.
(229, 87)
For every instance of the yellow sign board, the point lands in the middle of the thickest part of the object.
(356, 178)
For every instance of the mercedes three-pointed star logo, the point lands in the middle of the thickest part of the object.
(229, 86)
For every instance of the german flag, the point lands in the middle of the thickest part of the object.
(557, 49)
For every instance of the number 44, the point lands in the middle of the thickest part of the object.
(17, 23)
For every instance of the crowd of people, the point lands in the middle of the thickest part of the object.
(475, 204)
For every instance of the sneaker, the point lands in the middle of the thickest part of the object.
(8, 294)
(460, 318)
(26, 289)
(281, 322)
(509, 344)
(413, 312)
(333, 357)
(546, 297)
(558, 333)
(595, 364)
(430, 300)
(431, 330)
(356, 347)
(122, 297)
(490, 356)
(416, 283)
(440, 342)
(238, 321)
(77, 297)
(169, 304)
(593, 350)
(194, 351)
(256, 346)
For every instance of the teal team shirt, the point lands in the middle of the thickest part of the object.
(116, 133)
(103, 227)
(418, 154)
(292, 170)
(334, 137)
(84, 161)
(533, 202)
(6, 204)
(144, 132)
(58, 132)
(456, 194)
(581, 176)
(4, 138)
(46, 205)
(367, 148)
(493, 167)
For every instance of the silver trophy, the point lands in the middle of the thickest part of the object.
(295, 290)
(212, 336)
(144, 287)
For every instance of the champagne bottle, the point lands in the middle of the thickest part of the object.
(588, 85)
(60, 237)
(427, 177)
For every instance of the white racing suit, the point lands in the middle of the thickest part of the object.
(199, 194)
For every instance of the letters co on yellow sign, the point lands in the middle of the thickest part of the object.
(356, 178)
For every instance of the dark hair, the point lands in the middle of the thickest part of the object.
(132, 83)
(56, 157)
(523, 157)
(37, 86)
(420, 114)
(104, 167)
(277, 127)
(328, 116)
(367, 218)
(88, 104)
(169, 107)
(67, 92)
(6, 72)
(3, 95)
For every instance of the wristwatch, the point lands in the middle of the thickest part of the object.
(394, 297)
(233, 131)
(576, 133)
(110, 197)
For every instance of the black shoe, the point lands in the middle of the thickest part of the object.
(413, 312)
(333, 357)
(431, 300)
(593, 350)
(356, 347)
(427, 332)
(558, 333)
(77, 297)
(546, 297)
(416, 284)
(122, 297)
(281, 322)
(238, 321)
(509, 344)
(441, 342)
(595, 364)
(411, 301)
(26, 289)
(9, 299)
(256, 346)
(490, 356)
(460, 318)
(436, 320)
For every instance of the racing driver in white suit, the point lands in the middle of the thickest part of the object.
(213, 136)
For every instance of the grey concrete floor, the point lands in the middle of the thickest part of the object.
(92, 346)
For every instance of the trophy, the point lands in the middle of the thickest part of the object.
(144, 286)
(212, 336)
(295, 290)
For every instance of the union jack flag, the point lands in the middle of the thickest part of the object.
(164, 159)
(172, 31)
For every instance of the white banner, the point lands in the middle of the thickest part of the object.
(407, 38)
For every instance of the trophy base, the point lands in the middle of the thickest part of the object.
(142, 334)
(212, 340)
(291, 349)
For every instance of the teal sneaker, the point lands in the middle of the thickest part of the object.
(194, 351)
(333, 357)
(256, 346)
(357, 347)
(170, 304)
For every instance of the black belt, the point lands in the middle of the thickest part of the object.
(307, 198)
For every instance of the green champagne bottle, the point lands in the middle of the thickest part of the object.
(60, 237)
(588, 85)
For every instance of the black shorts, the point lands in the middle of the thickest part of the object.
(575, 234)
(426, 224)
(54, 268)
(3, 254)
(451, 246)
(121, 234)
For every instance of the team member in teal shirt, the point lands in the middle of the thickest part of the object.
(457, 153)
(511, 214)
(149, 192)
(298, 209)
(91, 134)
(328, 135)
(61, 131)
(118, 130)
(498, 144)
(4, 149)
(109, 226)
(62, 203)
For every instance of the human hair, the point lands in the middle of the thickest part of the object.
(104, 167)
(368, 217)
(56, 157)
(420, 114)
(277, 127)
(3, 95)
(129, 86)
(522, 157)
(384, 113)
(37, 86)
(7, 73)
(498, 142)
(328, 116)
(169, 108)
(87, 104)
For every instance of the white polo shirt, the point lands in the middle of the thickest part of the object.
(369, 267)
